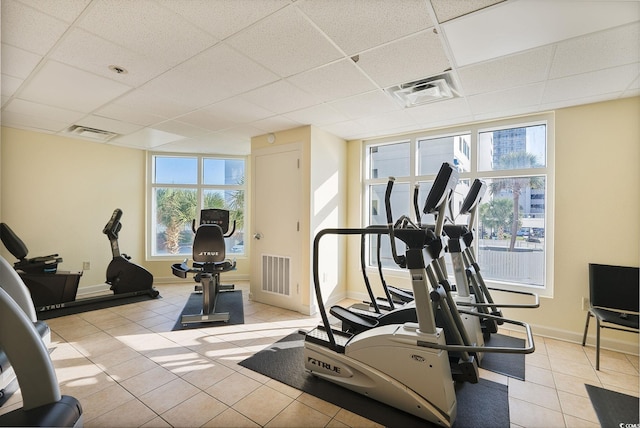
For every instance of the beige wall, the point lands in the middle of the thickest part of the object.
(596, 212)
(58, 193)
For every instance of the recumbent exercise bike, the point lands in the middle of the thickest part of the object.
(209, 261)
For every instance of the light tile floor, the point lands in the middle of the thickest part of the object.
(129, 369)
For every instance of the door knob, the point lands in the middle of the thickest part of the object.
(257, 235)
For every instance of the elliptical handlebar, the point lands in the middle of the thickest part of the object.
(113, 226)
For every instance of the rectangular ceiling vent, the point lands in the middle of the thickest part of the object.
(91, 133)
(423, 91)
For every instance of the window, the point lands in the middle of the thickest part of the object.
(512, 235)
(180, 186)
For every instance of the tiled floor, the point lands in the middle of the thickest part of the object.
(129, 369)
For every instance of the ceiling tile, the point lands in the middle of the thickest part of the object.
(515, 98)
(318, 115)
(181, 128)
(92, 53)
(29, 29)
(222, 18)
(506, 72)
(107, 124)
(439, 111)
(348, 130)
(387, 122)
(356, 26)
(63, 86)
(146, 138)
(337, 80)
(218, 73)
(17, 62)
(275, 123)
(127, 112)
(29, 108)
(296, 46)
(446, 9)
(280, 97)
(28, 121)
(238, 110)
(612, 48)
(148, 102)
(409, 59)
(364, 105)
(588, 84)
(207, 120)
(520, 25)
(145, 28)
(218, 144)
(67, 10)
(10, 85)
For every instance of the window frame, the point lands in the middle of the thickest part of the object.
(200, 188)
(474, 129)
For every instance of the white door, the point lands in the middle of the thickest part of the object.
(275, 247)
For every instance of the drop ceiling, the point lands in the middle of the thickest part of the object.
(207, 75)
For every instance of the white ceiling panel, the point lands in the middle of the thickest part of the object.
(28, 108)
(32, 122)
(295, 47)
(67, 10)
(614, 80)
(506, 72)
(238, 110)
(111, 125)
(226, 17)
(356, 26)
(515, 98)
(363, 105)
(145, 28)
(10, 85)
(275, 123)
(212, 74)
(415, 57)
(18, 62)
(64, 86)
(446, 10)
(92, 53)
(525, 24)
(613, 48)
(146, 138)
(334, 81)
(320, 115)
(28, 28)
(452, 109)
(281, 97)
(205, 119)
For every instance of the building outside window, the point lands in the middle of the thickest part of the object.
(182, 185)
(513, 157)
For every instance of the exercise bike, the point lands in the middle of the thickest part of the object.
(209, 261)
(53, 290)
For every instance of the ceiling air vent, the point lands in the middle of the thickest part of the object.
(424, 91)
(91, 133)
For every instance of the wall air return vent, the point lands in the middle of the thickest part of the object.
(424, 91)
(90, 133)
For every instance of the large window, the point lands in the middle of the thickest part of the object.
(513, 234)
(180, 186)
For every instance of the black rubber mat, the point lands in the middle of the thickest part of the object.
(228, 301)
(485, 404)
(613, 408)
(511, 365)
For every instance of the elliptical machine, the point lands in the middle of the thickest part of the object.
(123, 275)
(209, 261)
(54, 290)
